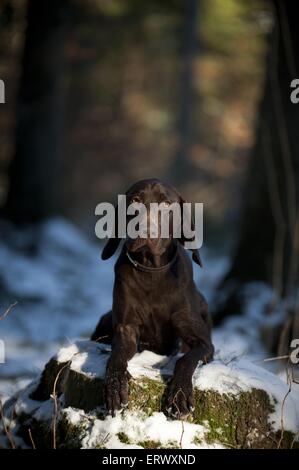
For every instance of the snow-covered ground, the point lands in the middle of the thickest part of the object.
(63, 290)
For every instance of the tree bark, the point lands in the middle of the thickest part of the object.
(267, 249)
(33, 172)
(185, 115)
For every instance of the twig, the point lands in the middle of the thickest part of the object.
(100, 337)
(6, 430)
(8, 311)
(31, 438)
(182, 434)
(278, 358)
(54, 397)
(294, 439)
(105, 439)
(178, 411)
(289, 381)
(233, 358)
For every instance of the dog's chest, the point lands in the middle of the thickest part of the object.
(154, 300)
(156, 331)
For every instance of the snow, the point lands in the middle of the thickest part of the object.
(61, 293)
(64, 288)
(241, 375)
(226, 374)
(24, 404)
(136, 425)
(139, 428)
(90, 358)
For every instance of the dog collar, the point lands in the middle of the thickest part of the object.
(149, 269)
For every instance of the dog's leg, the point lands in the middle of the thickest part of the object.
(104, 330)
(196, 334)
(123, 349)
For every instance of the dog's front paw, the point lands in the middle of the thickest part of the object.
(116, 388)
(180, 399)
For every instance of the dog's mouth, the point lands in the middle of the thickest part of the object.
(154, 245)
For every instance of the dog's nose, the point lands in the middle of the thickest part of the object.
(149, 226)
(154, 241)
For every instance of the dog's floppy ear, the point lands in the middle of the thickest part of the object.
(196, 257)
(195, 252)
(110, 248)
(112, 243)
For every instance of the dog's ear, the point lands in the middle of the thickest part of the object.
(195, 252)
(112, 243)
(196, 257)
(110, 248)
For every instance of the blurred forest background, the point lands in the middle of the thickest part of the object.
(119, 90)
(100, 93)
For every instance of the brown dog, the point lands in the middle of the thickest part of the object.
(155, 307)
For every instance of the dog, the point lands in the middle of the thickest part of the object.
(156, 307)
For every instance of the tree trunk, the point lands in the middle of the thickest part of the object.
(267, 249)
(185, 115)
(33, 172)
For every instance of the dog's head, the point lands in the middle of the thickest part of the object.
(146, 192)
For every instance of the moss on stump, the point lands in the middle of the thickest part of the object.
(235, 421)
